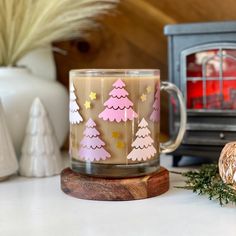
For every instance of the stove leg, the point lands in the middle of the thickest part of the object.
(176, 160)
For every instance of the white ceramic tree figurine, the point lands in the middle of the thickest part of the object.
(8, 161)
(40, 151)
(75, 117)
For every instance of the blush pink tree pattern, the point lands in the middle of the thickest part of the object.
(75, 117)
(91, 146)
(143, 148)
(118, 106)
(155, 116)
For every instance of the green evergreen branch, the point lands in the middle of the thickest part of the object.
(207, 181)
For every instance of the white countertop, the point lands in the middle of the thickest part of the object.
(35, 207)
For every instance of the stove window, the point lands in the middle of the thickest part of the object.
(211, 79)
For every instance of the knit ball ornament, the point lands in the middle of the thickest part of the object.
(227, 164)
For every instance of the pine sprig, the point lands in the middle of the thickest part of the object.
(207, 181)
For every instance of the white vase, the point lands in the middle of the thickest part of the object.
(40, 62)
(18, 88)
(8, 161)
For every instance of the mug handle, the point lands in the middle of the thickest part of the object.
(171, 145)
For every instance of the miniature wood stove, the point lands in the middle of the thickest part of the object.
(202, 63)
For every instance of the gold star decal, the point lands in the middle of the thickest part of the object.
(115, 134)
(120, 145)
(73, 145)
(87, 104)
(92, 96)
(149, 89)
(143, 97)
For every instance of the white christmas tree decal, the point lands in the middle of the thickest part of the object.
(40, 151)
(8, 161)
(155, 116)
(91, 146)
(75, 117)
(142, 145)
(118, 106)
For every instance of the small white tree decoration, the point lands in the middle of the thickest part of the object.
(40, 151)
(75, 117)
(8, 161)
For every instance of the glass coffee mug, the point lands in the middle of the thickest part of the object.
(115, 122)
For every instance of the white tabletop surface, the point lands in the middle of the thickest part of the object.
(35, 207)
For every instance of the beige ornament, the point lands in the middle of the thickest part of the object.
(227, 164)
(40, 151)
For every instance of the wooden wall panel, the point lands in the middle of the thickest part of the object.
(183, 11)
(130, 39)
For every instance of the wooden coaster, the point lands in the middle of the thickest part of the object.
(93, 188)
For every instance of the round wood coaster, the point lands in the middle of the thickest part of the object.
(93, 188)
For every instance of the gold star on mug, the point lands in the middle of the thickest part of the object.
(115, 134)
(143, 97)
(87, 104)
(149, 89)
(93, 95)
(120, 145)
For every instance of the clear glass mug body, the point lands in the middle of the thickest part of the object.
(115, 122)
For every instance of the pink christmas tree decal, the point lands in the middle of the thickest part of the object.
(142, 145)
(75, 117)
(118, 106)
(155, 116)
(91, 146)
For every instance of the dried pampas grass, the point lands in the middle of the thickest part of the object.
(29, 24)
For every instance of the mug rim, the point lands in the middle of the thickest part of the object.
(115, 72)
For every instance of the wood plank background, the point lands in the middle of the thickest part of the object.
(132, 37)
